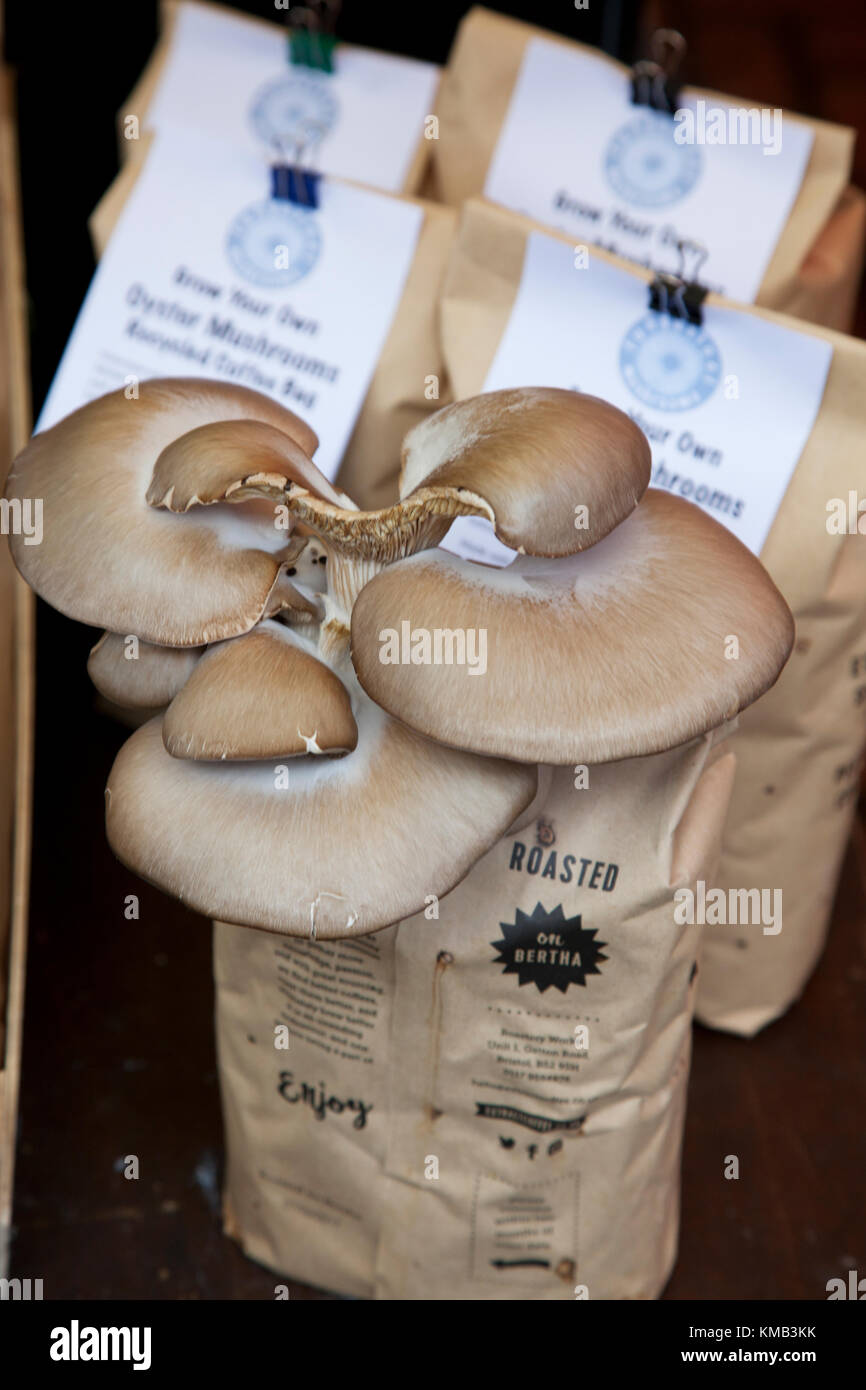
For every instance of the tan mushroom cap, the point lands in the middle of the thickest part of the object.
(622, 651)
(524, 459)
(245, 460)
(136, 674)
(107, 558)
(350, 845)
(529, 457)
(301, 606)
(262, 695)
(231, 460)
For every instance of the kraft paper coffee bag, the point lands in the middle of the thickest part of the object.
(828, 281)
(408, 381)
(229, 74)
(499, 137)
(486, 1101)
(800, 746)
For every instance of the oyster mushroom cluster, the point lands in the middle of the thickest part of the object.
(322, 761)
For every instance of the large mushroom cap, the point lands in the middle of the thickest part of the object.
(663, 630)
(108, 559)
(347, 846)
(533, 456)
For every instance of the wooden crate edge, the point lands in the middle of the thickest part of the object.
(15, 327)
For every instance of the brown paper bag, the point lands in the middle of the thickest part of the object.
(409, 381)
(139, 100)
(799, 748)
(827, 284)
(487, 1100)
(815, 269)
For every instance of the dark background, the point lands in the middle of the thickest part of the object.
(118, 1047)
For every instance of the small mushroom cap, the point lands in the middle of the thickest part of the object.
(107, 558)
(621, 651)
(136, 674)
(230, 460)
(348, 846)
(532, 456)
(262, 695)
(300, 605)
(245, 460)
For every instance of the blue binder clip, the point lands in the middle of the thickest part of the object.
(294, 182)
(293, 185)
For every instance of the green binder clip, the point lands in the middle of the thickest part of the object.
(311, 34)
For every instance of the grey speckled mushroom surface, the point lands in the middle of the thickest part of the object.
(303, 780)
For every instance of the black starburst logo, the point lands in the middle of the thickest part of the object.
(547, 948)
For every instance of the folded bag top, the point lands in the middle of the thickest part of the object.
(476, 94)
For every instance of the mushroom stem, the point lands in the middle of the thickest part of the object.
(346, 576)
(350, 568)
(334, 639)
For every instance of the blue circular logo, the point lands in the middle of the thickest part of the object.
(273, 243)
(645, 165)
(298, 110)
(669, 363)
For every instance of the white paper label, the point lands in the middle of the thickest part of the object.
(207, 276)
(727, 406)
(578, 155)
(231, 80)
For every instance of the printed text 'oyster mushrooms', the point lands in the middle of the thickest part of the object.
(109, 559)
(663, 630)
(553, 470)
(320, 847)
(259, 696)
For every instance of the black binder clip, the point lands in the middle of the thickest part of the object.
(652, 79)
(674, 294)
(311, 34)
(294, 182)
